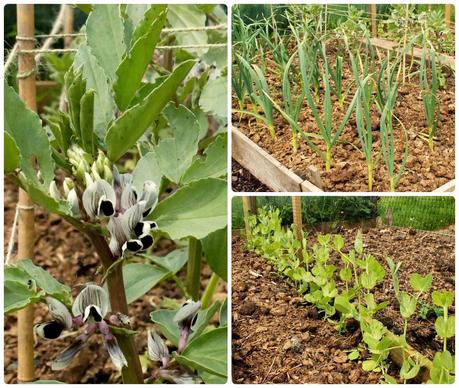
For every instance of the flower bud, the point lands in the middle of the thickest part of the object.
(72, 197)
(67, 185)
(108, 175)
(54, 191)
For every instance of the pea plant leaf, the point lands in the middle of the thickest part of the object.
(407, 305)
(193, 210)
(127, 129)
(213, 165)
(105, 36)
(445, 327)
(442, 298)
(420, 283)
(24, 127)
(132, 68)
(215, 248)
(207, 352)
(213, 97)
(12, 156)
(96, 79)
(175, 154)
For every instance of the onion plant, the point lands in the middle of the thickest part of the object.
(429, 90)
(325, 125)
(258, 90)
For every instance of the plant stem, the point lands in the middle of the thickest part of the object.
(132, 373)
(209, 291)
(370, 177)
(327, 159)
(194, 268)
(391, 184)
(272, 131)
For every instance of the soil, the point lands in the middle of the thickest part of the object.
(278, 338)
(69, 257)
(244, 181)
(425, 170)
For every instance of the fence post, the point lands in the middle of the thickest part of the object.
(26, 229)
(297, 219)
(448, 13)
(249, 207)
(372, 12)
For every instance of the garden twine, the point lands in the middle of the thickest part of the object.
(13, 231)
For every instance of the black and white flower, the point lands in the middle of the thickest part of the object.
(157, 349)
(89, 310)
(185, 318)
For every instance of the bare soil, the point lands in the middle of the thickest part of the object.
(69, 257)
(278, 338)
(425, 170)
(243, 181)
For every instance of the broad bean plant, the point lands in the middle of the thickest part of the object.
(345, 292)
(138, 155)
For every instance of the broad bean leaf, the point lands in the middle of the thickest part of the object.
(207, 352)
(132, 68)
(12, 156)
(105, 36)
(42, 198)
(185, 16)
(87, 121)
(214, 97)
(127, 129)
(210, 378)
(173, 261)
(96, 79)
(193, 210)
(203, 319)
(45, 281)
(24, 127)
(140, 278)
(146, 169)
(18, 295)
(215, 248)
(213, 165)
(224, 314)
(175, 154)
(165, 320)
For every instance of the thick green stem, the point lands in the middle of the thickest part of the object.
(132, 373)
(194, 268)
(209, 291)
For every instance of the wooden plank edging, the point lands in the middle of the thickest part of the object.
(447, 187)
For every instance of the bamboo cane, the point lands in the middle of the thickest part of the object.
(372, 11)
(68, 25)
(297, 221)
(26, 230)
(448, 15)
(249, 206)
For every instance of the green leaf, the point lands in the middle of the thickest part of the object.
(24, 127)
(17, 296)
(193, 210)
(96, 79)
(12, 157)
(175, 154)
(445, 327)
(45, 281)
(442, 298)
(358, 244)
(215, 248)
(203, 319)
(214, 165)
(15, 274)
(209, 378)
(165, 320)
(343, 305)
(338, 242)
(146, 169)
(105, 36)
(369, 365)
(213, 98)
(420, 283)
(141, 278)
(185, 16)
(407, 305)
(132, 68)
(127, 129)
(207, 352)
(87, 121)
(224, 314)
(173, 261)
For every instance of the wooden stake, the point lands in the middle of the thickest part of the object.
(249, 207)
(297, 219)
(26, 230)
(68, 25)
(448, 13)
(372, 12)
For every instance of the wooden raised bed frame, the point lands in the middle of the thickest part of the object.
(279, 178)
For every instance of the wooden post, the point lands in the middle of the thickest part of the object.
(68, 25)
(372, 12)
(26, 230)
(249, 207)
(297, 219)
(448, 9)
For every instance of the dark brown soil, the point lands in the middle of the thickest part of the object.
(244, 181)
(68, 256)
(425, 170)
(279, 339)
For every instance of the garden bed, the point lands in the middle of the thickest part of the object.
(278, 338)
(425, 170)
